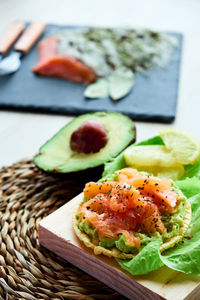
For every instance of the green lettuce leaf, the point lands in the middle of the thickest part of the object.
(147, 260)
(192, 170)
(189, 186)
(185, 257)
(195, 222)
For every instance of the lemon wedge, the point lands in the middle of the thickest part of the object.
(173, 173)
(148, 156)
(184, 147)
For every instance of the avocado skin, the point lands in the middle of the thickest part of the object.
(57, 156)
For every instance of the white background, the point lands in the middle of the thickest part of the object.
(21, 134)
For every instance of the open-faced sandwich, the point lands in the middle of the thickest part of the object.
(137, 214)
(118, 218)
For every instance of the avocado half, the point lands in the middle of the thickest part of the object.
(56, 154)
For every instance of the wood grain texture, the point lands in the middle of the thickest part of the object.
(56, 234)
(30, 36)
(10, 36)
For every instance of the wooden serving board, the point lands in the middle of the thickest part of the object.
(56, 234)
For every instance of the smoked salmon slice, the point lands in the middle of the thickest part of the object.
(109, 223)
(51, 63)
(131, 204)
(159, 190)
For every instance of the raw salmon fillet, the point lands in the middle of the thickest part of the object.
(51, 63)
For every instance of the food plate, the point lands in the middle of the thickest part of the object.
(56, 234)
(153, 97)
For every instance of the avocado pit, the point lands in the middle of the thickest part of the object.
(90, 137)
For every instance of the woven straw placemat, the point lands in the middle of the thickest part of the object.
(27, 270)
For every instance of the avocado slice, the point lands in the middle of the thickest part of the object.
(56, 154)
(106, 242)
(123, 245)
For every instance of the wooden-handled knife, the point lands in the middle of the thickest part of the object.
(11, 63)
(8, 39)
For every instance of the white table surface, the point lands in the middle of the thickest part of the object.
(21, 134)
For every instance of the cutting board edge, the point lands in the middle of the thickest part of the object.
(125, 286)
(165, 286)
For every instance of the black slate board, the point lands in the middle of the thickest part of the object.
(153, 97)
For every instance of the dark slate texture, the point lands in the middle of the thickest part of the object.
(153, 97)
